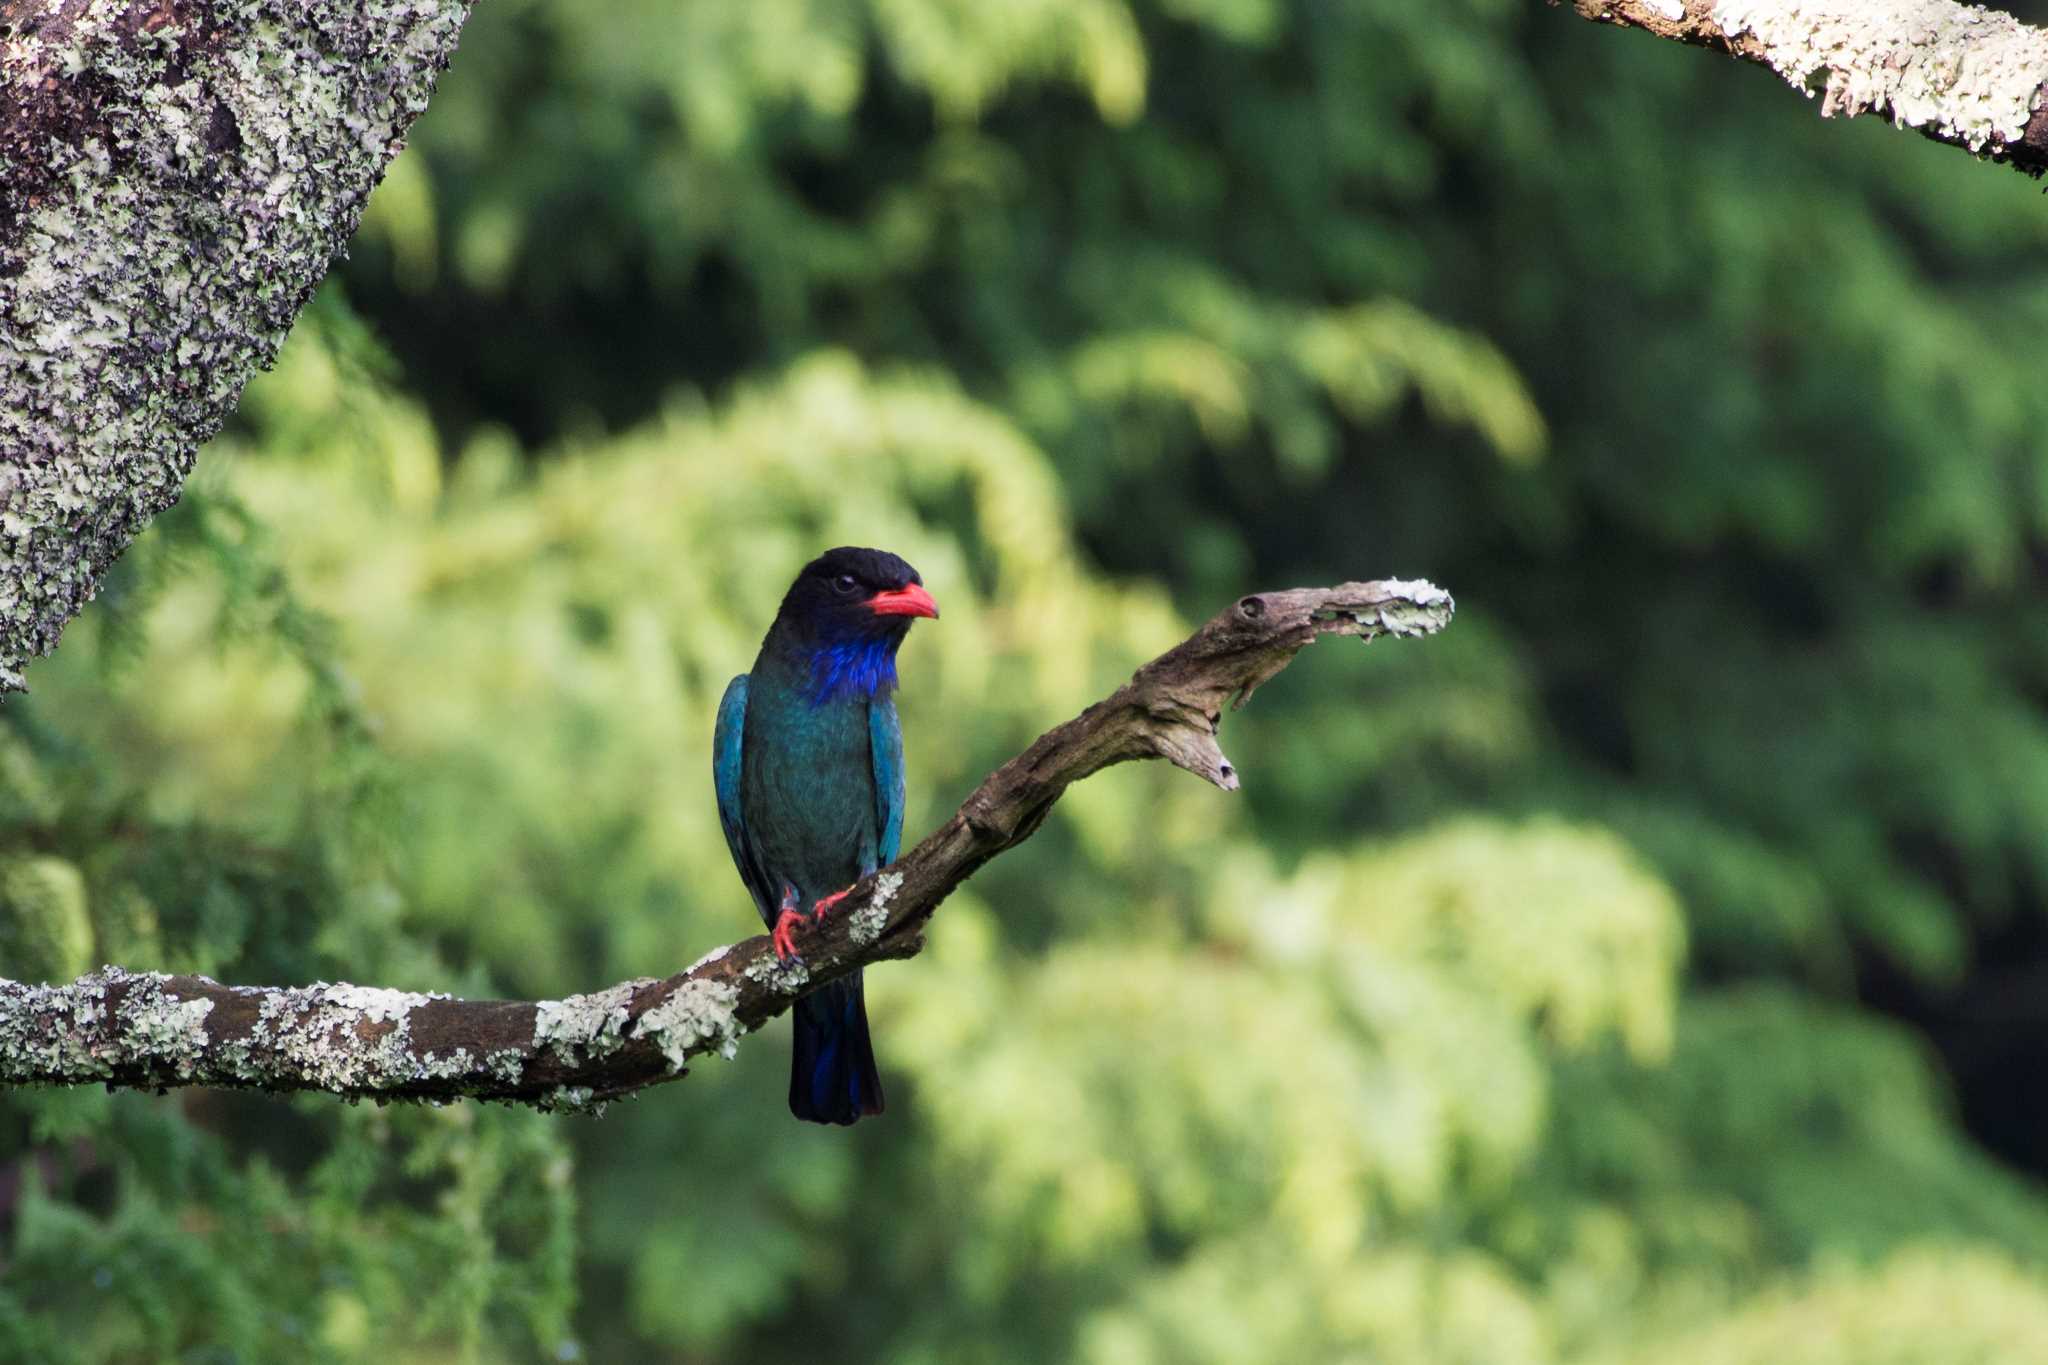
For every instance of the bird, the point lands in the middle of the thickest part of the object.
(807, 760)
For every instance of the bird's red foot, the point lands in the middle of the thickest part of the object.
(783, 936)
(827, 902)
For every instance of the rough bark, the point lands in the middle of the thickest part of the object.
(175, 176)
(1964, 75)
(124, 1028)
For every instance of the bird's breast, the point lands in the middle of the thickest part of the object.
(807, 787)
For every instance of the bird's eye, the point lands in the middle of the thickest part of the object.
(844, 583)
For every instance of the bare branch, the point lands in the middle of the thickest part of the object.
(123, 1028)
(1961, 74)
(175, 176)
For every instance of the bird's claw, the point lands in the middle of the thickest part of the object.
(784, 935)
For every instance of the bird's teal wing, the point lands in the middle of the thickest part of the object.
(726, 746)
(885, 743)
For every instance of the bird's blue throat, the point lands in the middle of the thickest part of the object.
(852, 668)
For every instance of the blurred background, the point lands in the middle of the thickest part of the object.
(1653, 967)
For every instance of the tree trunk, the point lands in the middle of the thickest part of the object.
(175, 176)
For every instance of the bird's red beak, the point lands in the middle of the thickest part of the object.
(909, 600)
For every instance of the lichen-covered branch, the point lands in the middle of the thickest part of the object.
(1961, 74)
(175, 176)
(125, 1028)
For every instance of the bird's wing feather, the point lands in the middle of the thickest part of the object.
(885, 743)
(727, 745)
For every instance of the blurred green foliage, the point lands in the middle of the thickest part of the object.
(1519, 1011)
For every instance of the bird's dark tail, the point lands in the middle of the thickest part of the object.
(833, 1079)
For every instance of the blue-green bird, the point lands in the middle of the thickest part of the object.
(808, 763)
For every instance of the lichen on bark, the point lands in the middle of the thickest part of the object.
(175, 176)
(1965, 75)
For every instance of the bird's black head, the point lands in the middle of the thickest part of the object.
(851, 594)
(848, 611)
